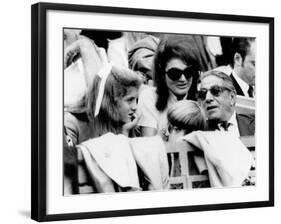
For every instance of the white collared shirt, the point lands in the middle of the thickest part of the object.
(243, 85)
(233, 127)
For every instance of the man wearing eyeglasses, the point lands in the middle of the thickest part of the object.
(243, 64)
(218, 97)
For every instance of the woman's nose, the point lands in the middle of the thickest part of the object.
(134, 105)
(182, 78)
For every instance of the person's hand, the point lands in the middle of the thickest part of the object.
(130, 125)
(70, 53)
(83, 47)
(93, 58)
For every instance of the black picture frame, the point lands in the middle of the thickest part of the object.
(39, 109)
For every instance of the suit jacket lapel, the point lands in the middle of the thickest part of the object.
(236, 86)
(246, 125)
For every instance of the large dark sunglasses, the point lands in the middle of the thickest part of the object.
(214, 90)
(175, 73)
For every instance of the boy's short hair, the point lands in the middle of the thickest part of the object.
(187, 115)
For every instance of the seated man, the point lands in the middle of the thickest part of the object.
(218, 97)
(243, 64)
(208, 153)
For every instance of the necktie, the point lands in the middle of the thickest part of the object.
(225, 125)
(251, 91)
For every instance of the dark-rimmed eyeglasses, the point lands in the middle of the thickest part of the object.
(214, 90)
(175, 73)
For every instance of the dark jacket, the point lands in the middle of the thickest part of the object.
(237, 86)
(245, 122)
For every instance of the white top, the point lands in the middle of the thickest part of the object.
(149, 115)
(228, 160)
(243, 85)
(74, 83)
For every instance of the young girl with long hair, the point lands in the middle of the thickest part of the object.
(109, 105)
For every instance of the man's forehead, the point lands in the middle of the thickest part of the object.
(210, 81)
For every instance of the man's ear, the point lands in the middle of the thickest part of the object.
(238, 60)
(233, 98)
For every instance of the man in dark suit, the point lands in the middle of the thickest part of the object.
(218, 97)
(243, 64)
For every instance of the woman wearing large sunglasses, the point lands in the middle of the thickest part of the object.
(176, 73)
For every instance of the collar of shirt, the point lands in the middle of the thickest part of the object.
(243, 85)
(233, 128)
(233, 120)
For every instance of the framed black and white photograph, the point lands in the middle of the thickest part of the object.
(139, 111)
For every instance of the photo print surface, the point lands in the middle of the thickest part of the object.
(157, 111)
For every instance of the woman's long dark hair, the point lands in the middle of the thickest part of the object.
(173, 46)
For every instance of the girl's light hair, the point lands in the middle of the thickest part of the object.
(187, 115)
(116, 87)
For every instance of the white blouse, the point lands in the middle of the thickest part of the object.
(149, 115)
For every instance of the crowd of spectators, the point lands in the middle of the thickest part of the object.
(127, 95)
